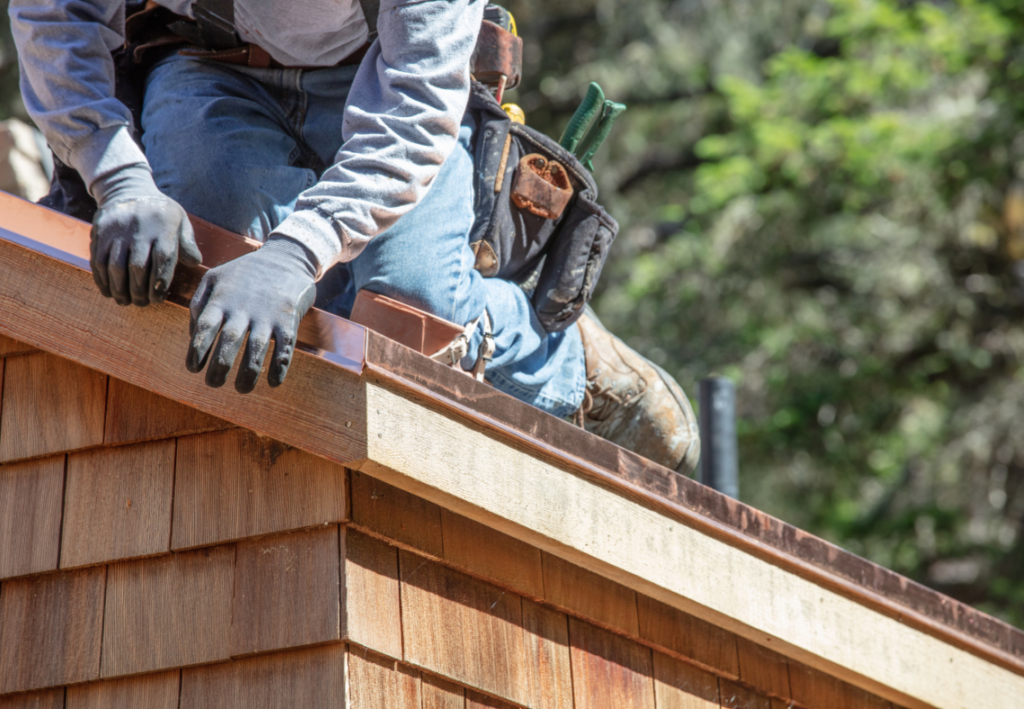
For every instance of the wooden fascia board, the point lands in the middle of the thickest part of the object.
(66, 239)
(728, 519)
(464, 467)
(693, 504)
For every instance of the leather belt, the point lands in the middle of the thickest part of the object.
(253, 55)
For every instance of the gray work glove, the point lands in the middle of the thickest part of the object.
(137, 237)
(265, 294)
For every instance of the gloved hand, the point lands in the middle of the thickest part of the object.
(264, 293)
(138, 234)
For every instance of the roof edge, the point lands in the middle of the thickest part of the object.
(58, 246)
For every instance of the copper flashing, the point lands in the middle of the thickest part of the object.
(349, 346)
(416, 329)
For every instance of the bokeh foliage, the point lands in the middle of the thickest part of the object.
(824, 201)
(821, 200)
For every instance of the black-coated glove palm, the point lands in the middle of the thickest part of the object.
(138, 235)
(265, 294)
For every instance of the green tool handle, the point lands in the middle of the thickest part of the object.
(591, 106)
(598, 132)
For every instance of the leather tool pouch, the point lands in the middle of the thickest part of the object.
(498, 53)
(529, 227)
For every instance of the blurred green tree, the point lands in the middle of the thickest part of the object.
(823, 201)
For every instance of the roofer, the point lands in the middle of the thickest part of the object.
(347, 155)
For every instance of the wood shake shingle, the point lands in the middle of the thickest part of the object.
(372, 615)
(117, 503)
(50, 629)
(135, 414)
(50, 405)
(286, 591)
(235, 484)
(167, 612)
(31, 493)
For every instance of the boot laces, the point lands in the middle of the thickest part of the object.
(603, 398)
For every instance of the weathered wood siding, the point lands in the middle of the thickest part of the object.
(152, 555)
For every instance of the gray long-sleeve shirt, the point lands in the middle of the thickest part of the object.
(401, 119)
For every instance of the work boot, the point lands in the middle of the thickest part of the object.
(634, 403)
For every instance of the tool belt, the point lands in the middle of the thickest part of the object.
(538, 222)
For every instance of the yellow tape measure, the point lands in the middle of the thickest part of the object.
(514, 112)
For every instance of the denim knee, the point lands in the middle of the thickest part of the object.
(424, 259)
(251, 202)
(218, 145)
(442, 295)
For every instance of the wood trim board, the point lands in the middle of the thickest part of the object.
(66, 239)
(455, 464)
(571, 448)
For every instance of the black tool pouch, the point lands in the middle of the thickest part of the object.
(525, 231)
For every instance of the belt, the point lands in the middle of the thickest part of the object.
(253, 55)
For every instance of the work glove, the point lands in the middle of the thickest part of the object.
(138, 235)
(265, 294)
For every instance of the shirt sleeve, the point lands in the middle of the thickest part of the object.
(401, 122)
(67, 81)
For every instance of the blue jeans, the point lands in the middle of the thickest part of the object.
(236, 146)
